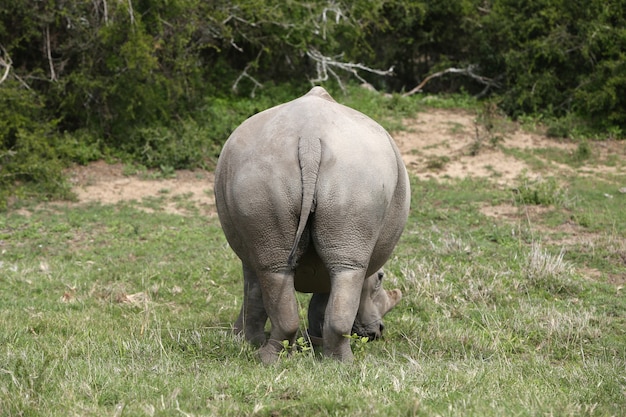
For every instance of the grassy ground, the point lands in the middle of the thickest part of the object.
(126, 309)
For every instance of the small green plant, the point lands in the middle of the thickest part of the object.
(615, 132)
(300, 347)
(558, 129)
(357, 343)
(490, 126)
(583, 151)
(539, 192)
(437, 162)
(130, 170)
(168, 171)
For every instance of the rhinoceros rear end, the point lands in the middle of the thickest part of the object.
(311, 195)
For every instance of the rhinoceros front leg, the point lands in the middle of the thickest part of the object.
(341, 311)
(280, 302)
(252, 317)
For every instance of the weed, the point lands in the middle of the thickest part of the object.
(357, 343)
(540, 191)
(456, 128)
(167, 171)
(446, 101)
(490, 127)
(301, 347)
(615, 133)
(128, 170)
(558, 129)
(583, 151)
(437, 162)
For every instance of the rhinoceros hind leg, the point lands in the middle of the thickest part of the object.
(341, 311)
(252, 317)
(281, 305)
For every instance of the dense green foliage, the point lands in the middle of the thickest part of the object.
(139, 78)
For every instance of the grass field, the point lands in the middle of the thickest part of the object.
(514, 305)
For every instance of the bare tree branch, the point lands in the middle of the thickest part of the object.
(24, 83)
(326, 65)
(244, 74)
(338, 16)
(6, 62)
(130, 10)
(106, 12)
(469, 71)
(53, 75)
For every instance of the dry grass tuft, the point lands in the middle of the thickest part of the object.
(543, 266)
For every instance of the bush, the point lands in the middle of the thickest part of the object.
(29, 159)
(559, 57)
(540, 191)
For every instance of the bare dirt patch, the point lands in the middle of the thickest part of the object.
(107, 184)
(443, 144)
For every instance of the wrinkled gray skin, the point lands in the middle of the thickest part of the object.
(312, 196)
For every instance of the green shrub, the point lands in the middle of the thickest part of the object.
(559, 57)
(29, 159)
(539, 191)
(187, 145)
(583, 151)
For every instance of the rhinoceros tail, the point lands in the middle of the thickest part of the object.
(309, 155)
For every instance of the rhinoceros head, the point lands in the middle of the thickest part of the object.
(375, 303)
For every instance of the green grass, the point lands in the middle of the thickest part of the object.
(107, 310)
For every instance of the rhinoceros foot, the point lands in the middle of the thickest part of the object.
(270, 351)
(338, 347)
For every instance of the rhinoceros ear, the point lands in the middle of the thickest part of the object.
(393, 298)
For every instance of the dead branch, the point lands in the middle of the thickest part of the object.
(6, 62)
(53, 75)
(106, 12)
(244, 74)
(324, 17)
(239, 19)
(469, 71)
(130, 11)
(326, 65)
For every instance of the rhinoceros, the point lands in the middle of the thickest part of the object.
(312, 196)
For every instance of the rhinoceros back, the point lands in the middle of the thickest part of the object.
(311, 175)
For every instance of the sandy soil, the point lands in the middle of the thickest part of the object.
(107, 184)
(444, 144)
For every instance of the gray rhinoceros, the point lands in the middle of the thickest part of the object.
(312, 196)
